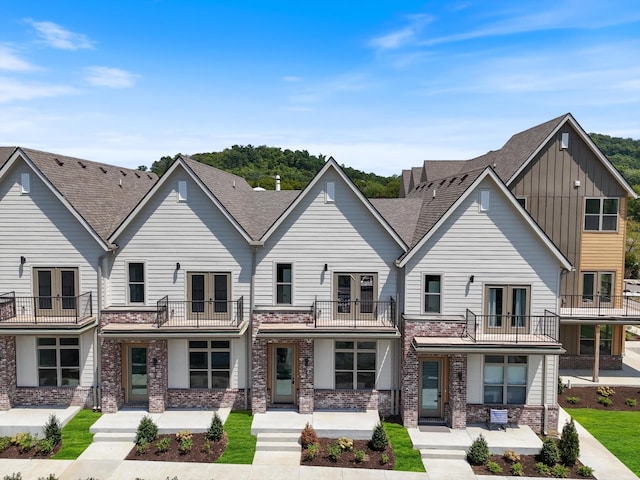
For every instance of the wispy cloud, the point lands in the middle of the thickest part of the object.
(55, 36)
(11, 90)
(322, 91)
(110, 77)
(10, 61)
(403, 36)
(291, 78)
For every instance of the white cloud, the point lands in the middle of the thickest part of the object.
(110, 77)
(12, 62)
(55, 36)
(403, 36)
(11, 90)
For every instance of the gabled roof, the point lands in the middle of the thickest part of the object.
(99, 195)
(452, 193)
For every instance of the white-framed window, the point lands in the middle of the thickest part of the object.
(209, 363)
(135, 282)
(485, 200)
(284, 283)
(330, 194)
(355, 364)
(505, 379)
(25, 183)
(601, 214)
(432, 293)
(58, 361)
(182, 191)
(588, 336)
(507, 306)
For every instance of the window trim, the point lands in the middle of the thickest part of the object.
(58, 368)
(355, 350)
(592, 339)
(143, 282)
(484, 200)
(330, 192)
(601, 215)
(354, 289)
(210, 350)
(508, 302)
(25, 183)
(505, 375)
(424, 294)
(209, 305)
(181, 192)
(596, 294)
(276, 284)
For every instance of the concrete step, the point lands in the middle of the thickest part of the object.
(280, 437)
(278, 442)
(114, 437)
(443, 454)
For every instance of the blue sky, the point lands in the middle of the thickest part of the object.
(380, 86)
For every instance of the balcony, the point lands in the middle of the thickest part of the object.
(596, 306)
(48, 311)
(354, 314)
(517, 329)
(200, 314)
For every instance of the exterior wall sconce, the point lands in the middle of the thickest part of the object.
(23, 260)
(155, 361)
(177, 265)
(472, 278)
(460, 376)
(306, 361)
(326, 267)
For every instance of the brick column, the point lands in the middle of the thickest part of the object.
(7, 372)
(458, 390)
(306, 366)
(157, 375)
(258, 371)
(410, 381)
(111, 370)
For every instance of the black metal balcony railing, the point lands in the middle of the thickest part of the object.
(513, 328)
(356, 313)
(600, 305)
(45, 310)
(208, 313)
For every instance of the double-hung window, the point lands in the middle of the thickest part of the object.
(432, 294)
(505, 379)
(136, 282)
(58, 361)
(507, 306)
(284, 284)
(355, 365)
(601, 214)
(209, 363)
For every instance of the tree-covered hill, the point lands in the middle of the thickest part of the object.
(623, 152)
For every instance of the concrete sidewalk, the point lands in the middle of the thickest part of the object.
(628, 376)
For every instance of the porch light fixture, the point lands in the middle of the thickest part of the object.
(23, 260)
(177, 265)
(326, 267)
(155, 361)
(471, 278)
(459, 376)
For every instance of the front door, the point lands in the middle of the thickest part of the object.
(283, 374)
(431, 387)
(137, 373)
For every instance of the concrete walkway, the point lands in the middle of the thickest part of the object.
(628, 376)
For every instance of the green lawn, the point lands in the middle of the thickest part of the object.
(242, 445)
(407, 459)
(618, 431)
(75, 435)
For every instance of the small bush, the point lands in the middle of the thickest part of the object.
(559, 471)
(573, 400)
(184, 435)
(142, 447)
(549, 455)
(517, 470)
(585, 471)
(478, 452)
(51, 476)
(186, 443)
(379, 439)
(631, 402)
(163, 445)
(52, 430)
(493, 467)
(561, 386)
(312, 450)
(345, 443)
(569, 444)
(542, 469)
(17, 438)
(216, 429)
(308, 436)
(27, 442)
(359, 456)
(4, 443)
(206, 447)
(13, 476)
(605, 391)
(606, 401)
(511, 456)
(384, 459)
(334, 450)
(45, 446)
(147, 430)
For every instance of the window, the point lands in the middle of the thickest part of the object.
(208, 294)
(505, 379)
(485, 198)
(597, 286)
(355, 365)
(432, 294)
(507, 306)
(209, 363)
(587, 339)
(564, 141)
(601, 214)
(136, 282)
(284, 285)
(182, 191)
(25, 183)
(56, 289)
(330, 195)
(355, 293)
(58, 362)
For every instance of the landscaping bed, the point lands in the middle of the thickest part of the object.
(373, 459)
(528, 463)
(200, 450)
(588, 397)
(29, 448)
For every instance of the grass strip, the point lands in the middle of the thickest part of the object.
(242, 445)
(407, 459)
(617, 431)
(76, 436)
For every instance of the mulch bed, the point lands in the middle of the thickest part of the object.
(347, 459)
(198, 452)
(528, 463)
(13, 452)
(588, 398)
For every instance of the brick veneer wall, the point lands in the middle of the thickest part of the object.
(205, 398)
(111, 370)
(7, 372)
(531, 415)
(585, 362)
(61, 396)
(157, 375)
(354, 399)
(122, 316)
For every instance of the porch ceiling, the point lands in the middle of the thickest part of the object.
(297, 330)
(466, 345)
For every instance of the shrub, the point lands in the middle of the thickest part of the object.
(569, 445)
(27, 442)
(561, 386)
(308, 436)
(17, 438)
(493, 467)
(216, 429)
(334, 451)
(142, 447)
(517, 470)
(206, 447)
(51, 476)
(542, 469)
(4, 443)
(379, 439)
(13, 476)
(163, 444)
(345, 443)
(549, 455)
(359, 456)
(478, 452)
(147, 430)
(631, 402)
(186, 443)
(606, 401)
(585, 471)
(312, 450)
(184, 435)
(52, 430)
(605, 391)
(573, 400)
(384, 459)
(559, 471)
(45, 446)
(511, 456)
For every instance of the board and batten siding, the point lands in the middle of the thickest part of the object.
(496, 247)
(193, 233)
(39, 227)
(342, 234)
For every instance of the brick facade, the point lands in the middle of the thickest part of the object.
(157, 375)
(585, 362)
(7, 372)
(359, 400)
(111, 370)
(60, 396)
(233, 398)
(530, 415)
(128, 316)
